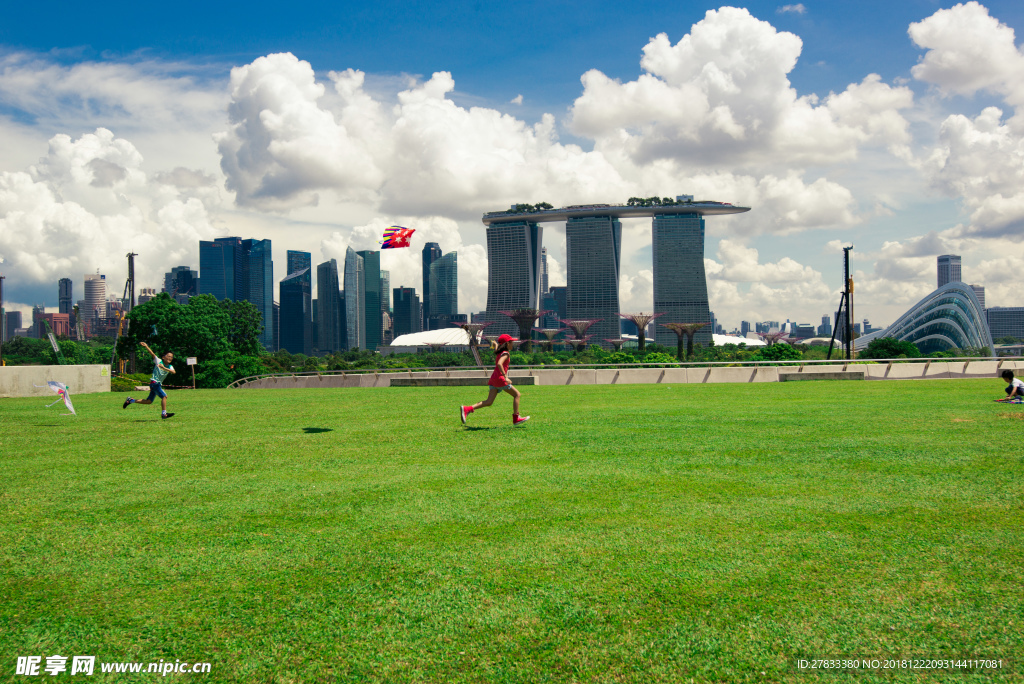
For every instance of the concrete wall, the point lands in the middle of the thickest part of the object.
(664, 376)
(21, 381)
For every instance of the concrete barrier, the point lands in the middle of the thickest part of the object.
(798, 375)
(717, 374)
(22, 381)
(454, 382)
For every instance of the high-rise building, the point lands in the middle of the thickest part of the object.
(385, 291)
(550, 304)
(296, 314)
(222, 267)
(259, 285)
(65, 301)
(355, 323)
(371, 299)
(744, 328)
(1006, 321)
(147, 294)
(298, 261)
(825, 329)
(680, 285)
(593, 247)
(13, 323)
(543, 270)
(407, 309)
(328, 307)
(979, 290)
(241, 270)
(277, 326)
(561, 297)
(949, 269)
(513, 278)
(444, 291)
(95, 303)
(181, 281)
(431, 253)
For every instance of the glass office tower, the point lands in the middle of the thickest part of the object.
(680, 284)
(355, 325)
(328, 303)
(514, 271)
(295, 313)
(593, 246)
(374, 325)
(444, 291)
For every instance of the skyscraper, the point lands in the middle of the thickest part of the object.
(355, 324)
(680, 285)
(296, 319)
(949, 269)
(259, 285)
(298, 261)
(181, 281)
(65, 302)
(374, 327)
(95, 302)
(444, 291)
(407, 311)
(513, 278)
(385, 291)
(431, 253)
(979, 290)
(221, 266)
(543, 270)
(593, 245)
(328, 312)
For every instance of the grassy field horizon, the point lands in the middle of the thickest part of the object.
(643, 533)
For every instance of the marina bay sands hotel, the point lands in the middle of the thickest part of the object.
(593, 249)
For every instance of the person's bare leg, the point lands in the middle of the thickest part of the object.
(515, 400)
(163, 404)
(492, 392)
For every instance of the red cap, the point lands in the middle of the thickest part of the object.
(507, 338)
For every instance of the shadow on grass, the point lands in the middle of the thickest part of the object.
(472, 427)
(313, 431)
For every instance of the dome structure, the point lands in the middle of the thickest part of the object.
(950, 317)
(446, 336)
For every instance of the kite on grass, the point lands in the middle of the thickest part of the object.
(62, 393)
(396, 236)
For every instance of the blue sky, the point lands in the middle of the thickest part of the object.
(316, 157)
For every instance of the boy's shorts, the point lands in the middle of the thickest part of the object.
(156, 390)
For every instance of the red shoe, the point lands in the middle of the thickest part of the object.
(519, 420)
(464, 412)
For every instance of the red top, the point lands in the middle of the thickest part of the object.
(499, 378)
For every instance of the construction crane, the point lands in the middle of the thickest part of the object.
(53, 342)
(129, 290)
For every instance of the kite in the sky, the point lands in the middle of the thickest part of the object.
(62, 393)
(396, 236)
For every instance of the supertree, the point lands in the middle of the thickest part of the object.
(641, 320)
(681, 329)
(579, 327)
(579, 343)
(616, 343)
(773, 337)
(525, 318)
(475, 332)
(550, 334)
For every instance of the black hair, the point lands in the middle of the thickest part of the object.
(1007, 375)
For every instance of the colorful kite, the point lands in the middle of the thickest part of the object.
(62, 393)
(396, 236)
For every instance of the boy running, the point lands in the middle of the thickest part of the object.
(161, 367)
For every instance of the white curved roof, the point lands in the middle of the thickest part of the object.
(732, 339)
(454, 336)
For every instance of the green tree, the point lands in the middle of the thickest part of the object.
(245, 325)
(777, 352)
(890, 348)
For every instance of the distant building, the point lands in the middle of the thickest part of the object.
(431, 253)
(240, 270)
(979, 291)
(182, 280)
(328, 307)
(372, 313)
(13, 323)
(385, 291)
(444, 291)
(355, 324)
(744, 328)
(59, 323)
(948, 269)
(543, 270)
(64, 298)
(297, 261)
(277, 326)
(825, 329)
(296, 313)
(513, 276)
(147, 294)
(593, 247)
(949, 317)
(407, 307)
(95, 302)
(680, 284)
(1006, 321)
(561, 307)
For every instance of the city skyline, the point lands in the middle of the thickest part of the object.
(871, 125)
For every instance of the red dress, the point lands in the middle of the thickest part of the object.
(499, 378)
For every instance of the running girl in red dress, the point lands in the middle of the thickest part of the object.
(499, 381)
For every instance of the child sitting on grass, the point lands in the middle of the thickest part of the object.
(1014, 388)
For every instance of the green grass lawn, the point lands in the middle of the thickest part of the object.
(625, 534)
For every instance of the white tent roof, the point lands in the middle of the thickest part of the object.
(453, 336)
(731, 339)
